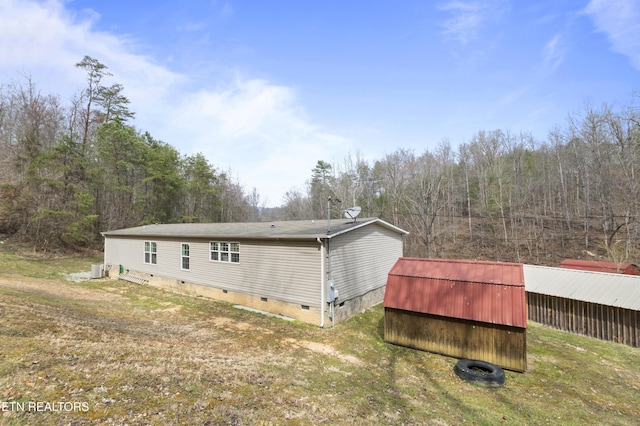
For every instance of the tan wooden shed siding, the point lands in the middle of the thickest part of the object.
(361, 259)
(287, 271)
(501, 345)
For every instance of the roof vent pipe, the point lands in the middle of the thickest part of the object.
(329, 213)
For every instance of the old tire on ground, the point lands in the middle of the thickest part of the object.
(481, 372)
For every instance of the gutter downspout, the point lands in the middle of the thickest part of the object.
(104, 254)
(322, 284)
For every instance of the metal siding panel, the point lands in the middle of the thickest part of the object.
(601, 288)
(499, 344)
(499, 298)
(599, 266)
(361, 259)
(461, 270)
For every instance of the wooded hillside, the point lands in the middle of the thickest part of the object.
(69, 171)
(503, 196)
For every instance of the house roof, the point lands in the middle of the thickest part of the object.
(491, 292)
(617, 290)
(599, 266)
(298, 229)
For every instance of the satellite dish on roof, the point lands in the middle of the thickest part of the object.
(352, 212)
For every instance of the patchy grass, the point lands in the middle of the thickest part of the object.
(16, 258)
(138, 355)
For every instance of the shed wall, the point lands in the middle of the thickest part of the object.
(590, 319)
(501, 345)
(287, 271)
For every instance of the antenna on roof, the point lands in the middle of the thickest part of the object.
(352, 213)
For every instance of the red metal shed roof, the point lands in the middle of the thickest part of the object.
(490, 292)
(600, 266)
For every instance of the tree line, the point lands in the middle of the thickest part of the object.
(501, 196)
(69, 171)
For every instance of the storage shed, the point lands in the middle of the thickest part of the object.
(600, 266)
(312, 271)
(464, 309)
(601, 305)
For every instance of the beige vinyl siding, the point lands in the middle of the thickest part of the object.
(128, 251)
(361, 259)
(287, 271)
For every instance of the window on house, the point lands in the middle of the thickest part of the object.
(150, 252)
(215, 250)
(185, 256)
(235, 252)
(224, 251)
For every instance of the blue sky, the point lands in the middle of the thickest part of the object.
(265, 89)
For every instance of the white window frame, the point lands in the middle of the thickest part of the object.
(214, 251)
(151, 252)
(184, 256)
(224, 251)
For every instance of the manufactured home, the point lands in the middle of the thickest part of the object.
(317, 272)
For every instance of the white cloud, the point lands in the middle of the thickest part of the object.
(469, 17)
(255, 128)
(514, 96)
(620, 21)
(260, 129)
(46, 41)
(553, 53)
(227, 10)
